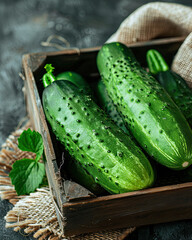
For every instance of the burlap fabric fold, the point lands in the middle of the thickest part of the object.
(182, 63)
(155, 20)
(161, 20)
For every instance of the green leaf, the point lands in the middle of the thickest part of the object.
(26, 175)
(31, 141)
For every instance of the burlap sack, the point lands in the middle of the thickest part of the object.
(161, 20)
(154, 20)
(182, 63)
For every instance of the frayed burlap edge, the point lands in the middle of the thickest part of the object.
(35, 214)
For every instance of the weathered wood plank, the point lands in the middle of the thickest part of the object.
(163, 204)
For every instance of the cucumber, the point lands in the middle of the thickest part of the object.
(93, 140)
(172, 82)
(147, 110)
(76, 172)
(107, 105)
(75, 78)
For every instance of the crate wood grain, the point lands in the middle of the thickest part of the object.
(78, 210)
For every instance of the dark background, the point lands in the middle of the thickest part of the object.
(24, 24)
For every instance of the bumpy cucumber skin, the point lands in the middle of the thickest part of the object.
(76, 171)
(75, 78)
(90, 137)
(81, 176)
(148, 111)
(107, 105)
(179, 91)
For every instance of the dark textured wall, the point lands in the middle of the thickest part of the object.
(24, 24)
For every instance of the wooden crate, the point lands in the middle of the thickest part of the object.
(77, 210)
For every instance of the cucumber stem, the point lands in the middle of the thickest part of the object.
(48, 78)
(156, 62)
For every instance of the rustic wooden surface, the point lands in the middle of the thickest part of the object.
(24, 24)
(130, 209)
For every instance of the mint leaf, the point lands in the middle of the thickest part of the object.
(31, 141)
(27, 175)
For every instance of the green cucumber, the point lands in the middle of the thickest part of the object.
(147, 110)
(172, 82)
(107, 105)
(75, 78)
(93, 140)
(76, 172)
